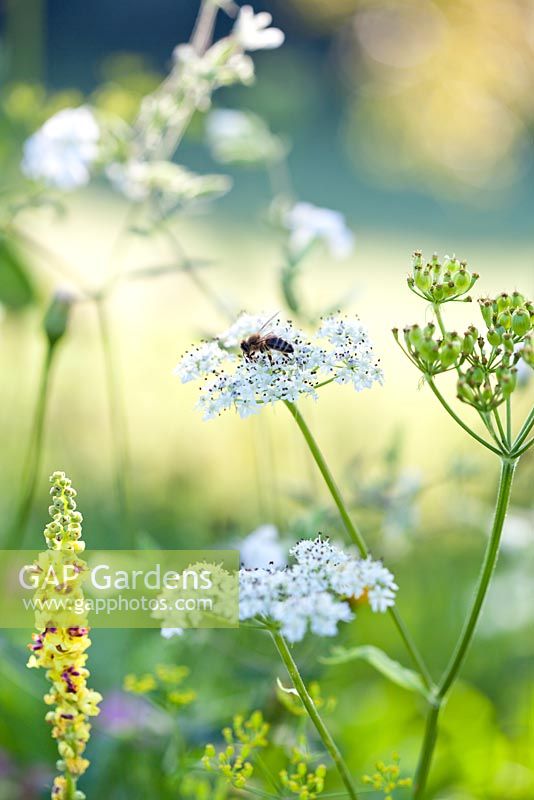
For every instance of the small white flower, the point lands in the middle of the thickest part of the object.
(62, 152)
(262, 548)
(314, 592)
(169, 633)
(196, 76)
(308, 223)
(205, 358)
(250, 384)
(252, 30)
(241, 137)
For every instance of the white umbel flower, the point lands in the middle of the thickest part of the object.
(262, 548)
(62, 152)
(315, 593)
(308, 223)
(341, 351)
(252, 31)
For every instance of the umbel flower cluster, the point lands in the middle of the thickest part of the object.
(340, 352)
(316, 592)
(485, 359)
(61, 651)
(78, 143)
(441, 282)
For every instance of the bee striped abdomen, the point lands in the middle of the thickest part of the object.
(276, 343)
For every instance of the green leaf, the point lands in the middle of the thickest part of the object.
(391, 669)
(16, 289)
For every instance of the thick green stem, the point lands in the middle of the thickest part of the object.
(322, 730)
(357, 537)
(118, 432)
(466, 636)
(15, 537)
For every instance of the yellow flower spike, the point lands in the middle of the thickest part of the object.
(61, 650)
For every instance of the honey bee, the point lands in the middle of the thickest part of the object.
(264, 342)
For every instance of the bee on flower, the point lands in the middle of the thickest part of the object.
(340, 352)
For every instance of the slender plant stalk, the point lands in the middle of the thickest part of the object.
(457, 419)
(524, 432)
(322, 730)
(451, 673)
(357, 538)
(118, 431)
(15, 537)
(71, 786)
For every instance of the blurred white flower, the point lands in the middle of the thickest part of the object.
(241, 137)
(170, 633)
(316, 591)
(62, 152)
(197, 76)
(173, 184)
(262, 548)
(308, 223)
(341, 352)
(252, 30)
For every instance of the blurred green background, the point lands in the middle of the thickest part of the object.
(415, 120)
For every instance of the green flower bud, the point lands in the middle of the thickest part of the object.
(508, 342)
(448, 353)
(487, 392)
(507, 381)
(465, 393)
(521, 322)
(504, 320)
(428, 350)
(439, 292)
(486, 309)
(423, 280)
(451, 265)
(415, 336)
(517, 299)
(475, 376)
(503, 302)
(468, 344)
(417, 260)
(449, 289)
(462, 280)
(494, 337)
(429, 329)
(57, 316)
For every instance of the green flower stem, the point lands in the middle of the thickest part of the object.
(457, 419)
(357, 537)
(509, 421)
(322, 730)
(117, 422)
(524, 449)
(524, 432)
(71, 786)
(15, 537)
(484, 417)
(204, 25)
(503, 435)
(466, 636)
